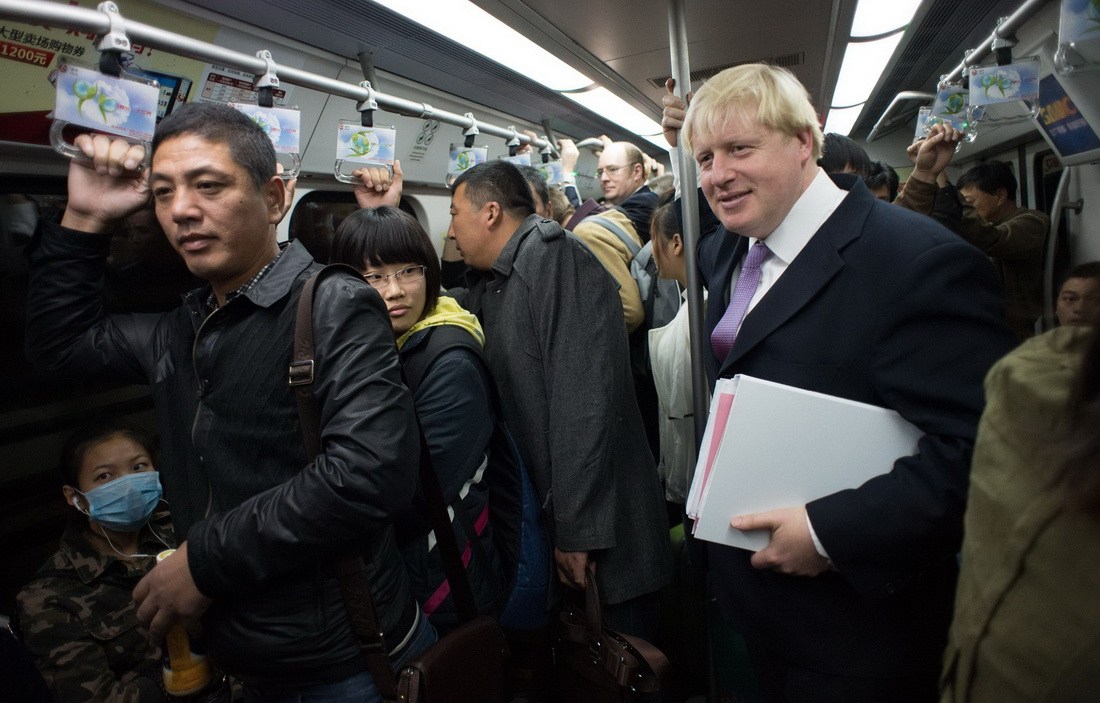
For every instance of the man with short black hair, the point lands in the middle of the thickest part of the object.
(1013, 237)
(540, 192)
(1079, 297)
(841, 154)
(882, 181)
(557, 345)
(262, 524)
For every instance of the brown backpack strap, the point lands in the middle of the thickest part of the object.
(351, 569)
(302, 365)
(588, 207)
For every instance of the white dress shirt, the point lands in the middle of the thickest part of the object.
(807, 215)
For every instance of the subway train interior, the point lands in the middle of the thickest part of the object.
(452, 72)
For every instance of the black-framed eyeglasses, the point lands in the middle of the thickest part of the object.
(405, 275)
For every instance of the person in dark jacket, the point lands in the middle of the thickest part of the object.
(557, 347)
(261, 525)
(621, 172)
(77, 617)
(452, 401)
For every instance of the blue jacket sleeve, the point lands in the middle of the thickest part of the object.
(452, 403)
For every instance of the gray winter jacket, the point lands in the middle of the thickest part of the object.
(557, 344)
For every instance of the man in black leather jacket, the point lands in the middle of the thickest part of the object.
(263, 525)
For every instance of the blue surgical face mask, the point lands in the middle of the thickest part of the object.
(124, 504)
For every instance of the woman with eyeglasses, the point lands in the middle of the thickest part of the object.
(77, 616)
(451, 396)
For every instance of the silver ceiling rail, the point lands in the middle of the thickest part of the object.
(97, 22)
(885, 122)
(1005, 30)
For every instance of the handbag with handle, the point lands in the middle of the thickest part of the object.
(468, 664)
(596, 664)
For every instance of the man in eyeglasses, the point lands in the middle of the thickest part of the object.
(621, 171)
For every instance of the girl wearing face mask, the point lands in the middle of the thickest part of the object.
(77, 616)
(452, 400)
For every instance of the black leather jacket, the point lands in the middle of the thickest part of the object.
(263, 524)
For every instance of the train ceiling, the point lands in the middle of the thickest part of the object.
(624, 46)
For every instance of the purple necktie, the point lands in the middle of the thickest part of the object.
(725, 332)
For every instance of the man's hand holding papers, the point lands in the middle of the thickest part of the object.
(791, 550)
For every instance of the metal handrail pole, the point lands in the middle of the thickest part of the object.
(689, 207)
(884, 121)
(1061, 195)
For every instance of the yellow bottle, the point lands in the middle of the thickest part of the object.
(183, 665)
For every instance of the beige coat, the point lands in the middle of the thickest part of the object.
(615, 257)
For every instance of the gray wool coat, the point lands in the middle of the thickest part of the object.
(557, 345)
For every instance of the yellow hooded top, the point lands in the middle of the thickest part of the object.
(447, 311)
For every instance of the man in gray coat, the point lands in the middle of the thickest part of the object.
(557, 345)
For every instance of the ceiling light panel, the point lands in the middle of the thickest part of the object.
(477, 30)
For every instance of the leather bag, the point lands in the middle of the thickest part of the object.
(468, 664)
(596, 664)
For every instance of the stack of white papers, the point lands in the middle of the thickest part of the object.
(770, 446)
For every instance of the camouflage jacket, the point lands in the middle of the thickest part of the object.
(80, 622)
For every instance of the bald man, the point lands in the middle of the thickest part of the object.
(622, 176)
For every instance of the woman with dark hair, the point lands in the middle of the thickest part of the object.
(77, 616)
(841, 154)
(1027, 619)
(439, 344)
(670, 357)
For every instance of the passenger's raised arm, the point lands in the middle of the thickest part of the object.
(932, 155)
(106, 185)
(672, 117)
(377, 187)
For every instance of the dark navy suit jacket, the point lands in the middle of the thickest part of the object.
(639, 208)
(887, 307)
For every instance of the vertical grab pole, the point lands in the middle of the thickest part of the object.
(689, 197)
(1057, 210)
(689, 204)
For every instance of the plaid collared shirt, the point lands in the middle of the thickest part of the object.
(212, 300)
